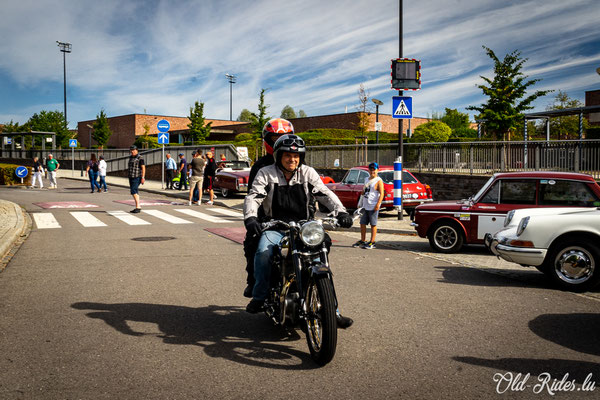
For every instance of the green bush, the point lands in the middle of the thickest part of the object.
(147, 142)
(434, 131)
(243, 137)
(324, 137)
(8, 176)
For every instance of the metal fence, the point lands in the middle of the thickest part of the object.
(468, 157)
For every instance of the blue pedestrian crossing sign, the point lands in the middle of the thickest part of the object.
(21, 172)
(163, 138)
(72, 142)
(402, 107)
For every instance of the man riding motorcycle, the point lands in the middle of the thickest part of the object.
(285, 191)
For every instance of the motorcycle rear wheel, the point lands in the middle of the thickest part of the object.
(321, 326)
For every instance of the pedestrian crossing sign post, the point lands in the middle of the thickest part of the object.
(402, 107)
(72, 145)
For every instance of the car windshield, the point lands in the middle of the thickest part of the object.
(233, 164)
(388, 177)
(482, 190)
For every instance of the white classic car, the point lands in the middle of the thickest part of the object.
(563, 243)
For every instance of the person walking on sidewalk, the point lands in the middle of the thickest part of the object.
(102, 173)
(92, 172)
(371, 202)
(52, 166)
(182, 172)
(197, 168)
(170, 167)
(38, 171)
(136, 173)
(209, 175)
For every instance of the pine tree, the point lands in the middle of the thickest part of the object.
(506, 94)
(260, 119)
(101, 132)
(198, 129)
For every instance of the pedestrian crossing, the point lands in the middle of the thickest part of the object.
(48, 220)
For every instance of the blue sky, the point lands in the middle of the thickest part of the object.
(159, 57)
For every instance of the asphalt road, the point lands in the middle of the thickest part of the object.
(93, 313)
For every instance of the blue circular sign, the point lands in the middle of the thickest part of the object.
(21, 172)
(163, 125)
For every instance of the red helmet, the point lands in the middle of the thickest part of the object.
(273, 129)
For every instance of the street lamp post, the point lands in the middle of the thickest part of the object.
(65, 48)
(377, 104)
(231, 79)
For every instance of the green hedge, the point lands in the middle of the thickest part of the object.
(8, 176)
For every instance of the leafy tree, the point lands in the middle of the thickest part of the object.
(506, 94)
(198, 129)
(50, 121)
(455, 120)
(145, 142)
(433, 131)
(565, 127)
(14, 127)
(301, 114)
(101, 132)
(260, 119)
(288, 112)
(245, 116)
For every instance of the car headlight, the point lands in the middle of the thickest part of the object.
(522, 225)
(312, 233)
(509, 217)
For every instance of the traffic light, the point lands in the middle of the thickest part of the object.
(406, 74)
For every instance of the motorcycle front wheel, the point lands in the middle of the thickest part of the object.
(321, 327)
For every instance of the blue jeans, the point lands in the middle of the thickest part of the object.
(93, 175)
(263, 257)
(103, 182)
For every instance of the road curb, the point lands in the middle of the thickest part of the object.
(16, 229)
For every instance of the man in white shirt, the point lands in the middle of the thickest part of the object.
(102, 174)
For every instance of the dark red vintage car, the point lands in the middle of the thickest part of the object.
(351, 187)
(232, 177)
(450, 224)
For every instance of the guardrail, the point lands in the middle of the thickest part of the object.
(468, 157)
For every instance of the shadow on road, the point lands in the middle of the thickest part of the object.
(579, 332)
(492, 277)
(222, 331)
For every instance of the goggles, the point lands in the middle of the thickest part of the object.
(293, 141)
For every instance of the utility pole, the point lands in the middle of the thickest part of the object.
(231, 79)
(65, 48)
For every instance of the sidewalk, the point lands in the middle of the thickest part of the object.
(12, 226)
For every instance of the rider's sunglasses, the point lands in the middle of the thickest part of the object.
(293, 141)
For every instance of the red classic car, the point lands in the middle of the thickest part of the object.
(232, 177)
(448, 225)
(350, 188)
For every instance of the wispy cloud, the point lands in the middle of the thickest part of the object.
(161, 56)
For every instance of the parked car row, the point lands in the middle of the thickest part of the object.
(548, 220)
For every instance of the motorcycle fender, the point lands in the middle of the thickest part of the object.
(319, 269)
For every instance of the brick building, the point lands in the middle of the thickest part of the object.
(126, 128)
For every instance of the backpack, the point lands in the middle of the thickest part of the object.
(95, 167)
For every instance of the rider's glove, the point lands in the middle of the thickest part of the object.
(253, 227)
(345, 220)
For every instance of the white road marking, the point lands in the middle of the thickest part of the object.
(86, 219)
(201, 215)
(128, 218)
(166, 217)
(225, 211)
(45, 221)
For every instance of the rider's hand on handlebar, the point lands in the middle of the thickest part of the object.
(253, 226)
(345, 220)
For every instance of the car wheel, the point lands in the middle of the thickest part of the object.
(574, 265)
(446, 237)
(225, 192)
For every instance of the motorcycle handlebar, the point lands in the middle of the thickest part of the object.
(270, 224)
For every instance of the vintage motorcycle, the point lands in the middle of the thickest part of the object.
(301, 288)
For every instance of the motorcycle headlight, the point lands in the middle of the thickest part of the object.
(312, 233)
(522, 225)
(509, 217)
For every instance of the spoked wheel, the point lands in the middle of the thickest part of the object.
(321, 327)
(446, 237)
